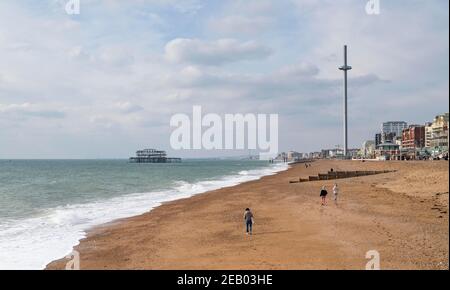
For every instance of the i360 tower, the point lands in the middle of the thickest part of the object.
(345, 68)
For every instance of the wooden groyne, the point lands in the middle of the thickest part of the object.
(333, 175)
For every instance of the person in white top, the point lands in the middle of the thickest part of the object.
(336, 192)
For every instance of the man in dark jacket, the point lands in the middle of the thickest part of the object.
(323, 195)
(248, 218)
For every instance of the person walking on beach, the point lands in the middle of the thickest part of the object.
(323, 195)
(248, 218)
(335, 192)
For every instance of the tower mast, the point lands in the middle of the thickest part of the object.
(345, 68)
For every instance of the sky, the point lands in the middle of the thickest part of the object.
(106, 82)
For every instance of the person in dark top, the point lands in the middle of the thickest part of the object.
(323, 195)
(248, 218)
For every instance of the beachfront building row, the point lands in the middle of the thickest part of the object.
(337, 153)
(400, 141)
(407, 145)
(287, 157)
(291, 156)
(396, 141)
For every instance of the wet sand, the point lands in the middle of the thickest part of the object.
(402, 215)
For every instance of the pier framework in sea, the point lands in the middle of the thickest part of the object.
(153, 156)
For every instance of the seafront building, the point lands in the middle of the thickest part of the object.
(388, 151)
(378, 139)
(413, 141)
(439, 138)
(332, 153)
(290, 156)
(398, 141)
(293, 155)
(315, 155)
(393, 128)
(353, 152)
(428, 134)
(413, 138)
(282, 157)
(390, 137)
(368, 150)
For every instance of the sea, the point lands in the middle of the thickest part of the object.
(46, 206)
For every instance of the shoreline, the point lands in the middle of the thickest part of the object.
(184, 234)
(179, 192)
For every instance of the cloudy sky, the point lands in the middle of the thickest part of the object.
(106, 82)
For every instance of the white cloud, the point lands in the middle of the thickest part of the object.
(128, 108)
(222, 51)
(236, 24)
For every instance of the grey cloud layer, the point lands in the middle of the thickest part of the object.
(27, 109)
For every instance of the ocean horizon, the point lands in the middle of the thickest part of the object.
(46, 206)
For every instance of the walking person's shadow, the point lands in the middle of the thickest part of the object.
(271, 233)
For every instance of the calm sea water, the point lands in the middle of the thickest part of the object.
(46, 206)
